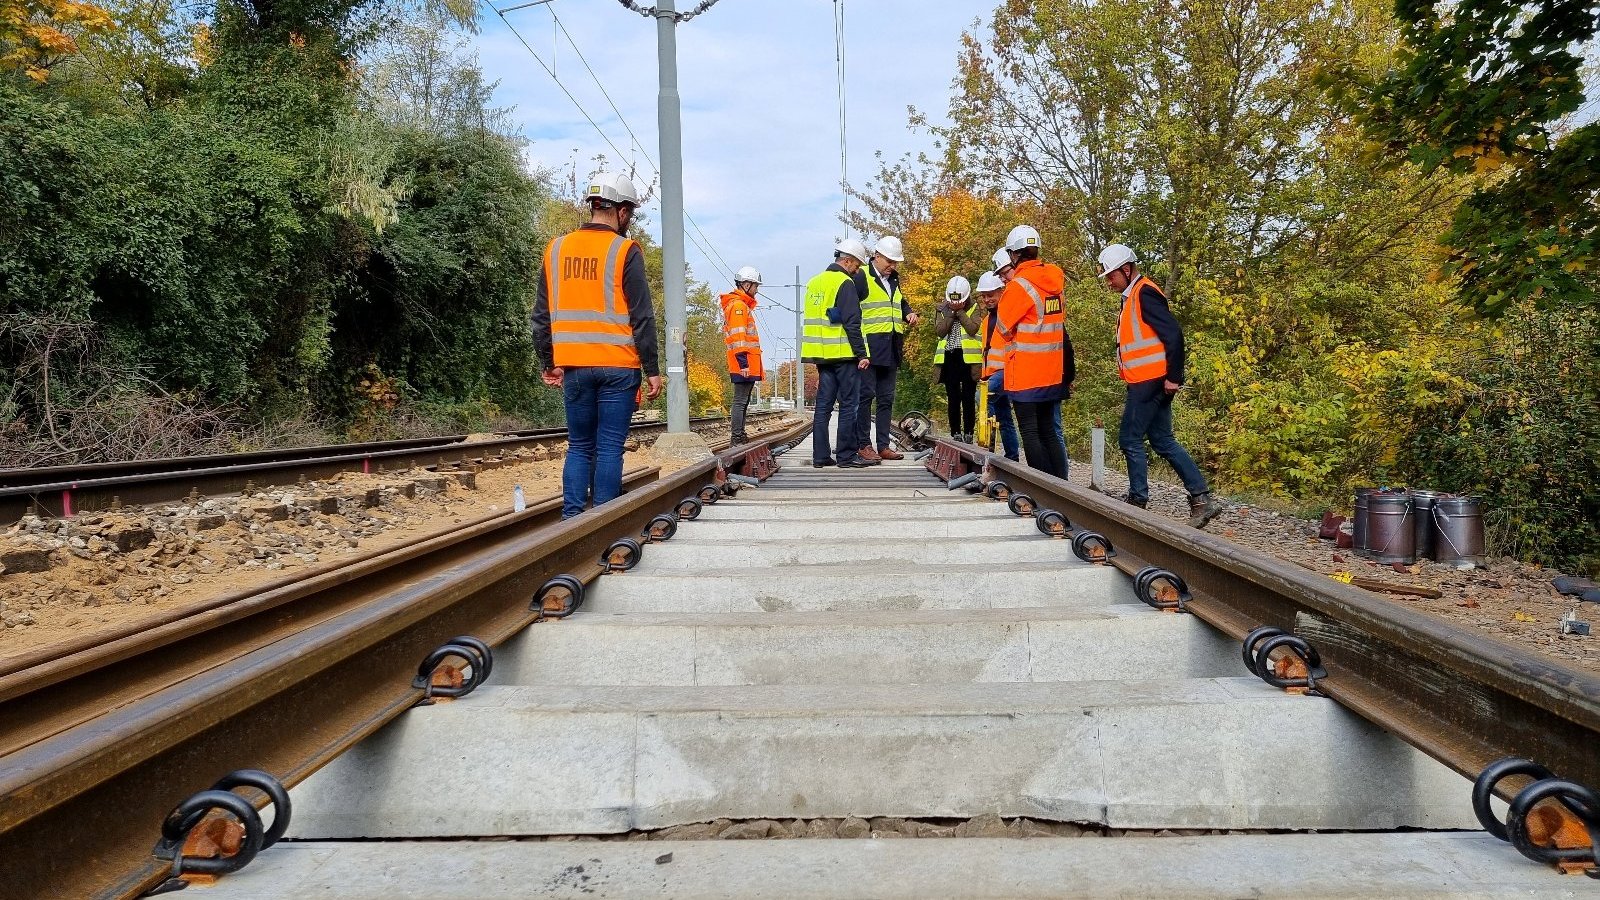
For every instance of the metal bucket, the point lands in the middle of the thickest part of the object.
(1422, 512)
(1391, 534)
(1458, 531)
(1358, 537)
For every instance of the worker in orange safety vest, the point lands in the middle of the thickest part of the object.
(595, 330)
(744, 344)
(1039, 365)
(1150, 358)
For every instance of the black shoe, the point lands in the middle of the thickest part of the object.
(1134, 501)
(856, 463)
(739, 440)
(822, 463)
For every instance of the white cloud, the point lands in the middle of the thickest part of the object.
(759, 111)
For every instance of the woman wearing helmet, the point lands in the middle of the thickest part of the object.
(958, 357)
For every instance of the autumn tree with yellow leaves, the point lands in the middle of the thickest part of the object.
(34, 34)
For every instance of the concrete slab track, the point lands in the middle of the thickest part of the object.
(864, 642)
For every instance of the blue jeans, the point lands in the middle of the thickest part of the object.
(836, 383)
(1147, 415)
(876, 384)
(1000, 404)
(600, 402)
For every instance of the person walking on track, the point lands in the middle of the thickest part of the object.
(994, 362)
(831, 340)
(1150, 358)
(1039, 366)
(744, 344)
(885, 313)
(595, 330)
(958, 357)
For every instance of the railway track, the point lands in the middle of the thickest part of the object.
(66, 490)
(831, 654)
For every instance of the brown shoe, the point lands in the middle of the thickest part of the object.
(870, 456)
(890, 453)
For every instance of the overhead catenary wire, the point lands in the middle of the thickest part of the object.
(709, 248)
(710, 254)
(840, 87)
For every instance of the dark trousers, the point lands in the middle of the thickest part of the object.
(1045, 451)
(1000, 405)
(600, 402)
(960, 392)
(1147, 416)
(877, 385)
(836, 383)
(741, 403)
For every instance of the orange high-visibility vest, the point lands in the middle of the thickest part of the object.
(1034, 358)
(589, 324)
(1140, 354)
(739, 332)
(994, 347)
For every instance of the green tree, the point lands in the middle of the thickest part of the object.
(1483, 86)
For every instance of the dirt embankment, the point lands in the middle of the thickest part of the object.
(61, 578)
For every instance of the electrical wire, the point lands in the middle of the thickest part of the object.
(840, 85)
(710, 254)
(708, 250)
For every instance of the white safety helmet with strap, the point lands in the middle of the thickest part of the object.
(612, 187)
(853, 247)
(989, 281)
(1115, 257)
(959, 286)
(1022, 237)
(890, 247)
(748, 273)
(1002, 260)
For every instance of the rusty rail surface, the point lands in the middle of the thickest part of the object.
(1461, 696)
(96, 749)
(64, 490)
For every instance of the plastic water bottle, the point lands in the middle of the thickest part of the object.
(518, 503)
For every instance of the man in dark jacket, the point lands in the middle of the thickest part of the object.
(885, 313)
(831, 340)
(1150, 359)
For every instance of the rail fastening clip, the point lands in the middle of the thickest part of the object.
(223, 846)
(1564, 834)
(1297, 671)
(438, 680)
(558, 598)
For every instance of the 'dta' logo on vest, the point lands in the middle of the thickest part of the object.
(580, 267)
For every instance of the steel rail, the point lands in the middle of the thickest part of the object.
(64, 490)
(82, 797)
(1461, 696)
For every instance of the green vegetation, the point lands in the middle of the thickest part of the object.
(1377, 226)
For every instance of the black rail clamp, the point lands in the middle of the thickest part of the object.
(622, 555)
(183, 819)
(660, 528)
(709, 494)
(558, 598)
(1051, 523)
(1021, 504)
(1093, 547)
(689, 508)
(1147, 587)
(480, 660)
(1579, 801)
(997, 490)
(1262, 642)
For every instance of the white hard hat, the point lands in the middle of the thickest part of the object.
(1002, 259)
(890, 246)
(958, 285)
(748, 273)
(1021, 238)
(1115, 257)
(612, 186)
(853, 247)
(989, 281)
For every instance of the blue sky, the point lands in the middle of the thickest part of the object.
(760, 113)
